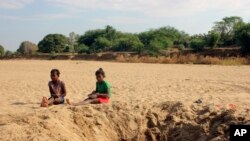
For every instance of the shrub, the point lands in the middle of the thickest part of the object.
(212, 39)
(27, 48)
(197, 44)
(8, 53)
(1, 50)
(100, 44)
(180, 46)
(242, 35)
(129, 43)
(52, 55)
(82, 48)
(53, 42)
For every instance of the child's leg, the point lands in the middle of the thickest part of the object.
(59, 100)
(84, 102)
(51, 101)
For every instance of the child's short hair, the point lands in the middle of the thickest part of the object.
(53, 71)
(100, 72)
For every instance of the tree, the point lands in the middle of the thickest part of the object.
(242, 35)
(27, 48)
(128, 43)
(100, 44)
(158, 44)
(197, 44)
(226, 29)
(82, 48)
(1, 51)
(162, 33)
(90, 36)
(53, 42)
(110, 33)
(72, 40)
(212, 39)
(162, 38)
(8, 53)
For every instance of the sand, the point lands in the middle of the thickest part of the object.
(149, 102)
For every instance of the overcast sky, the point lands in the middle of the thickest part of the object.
(31, 20)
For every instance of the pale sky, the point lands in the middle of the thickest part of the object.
(31, 20)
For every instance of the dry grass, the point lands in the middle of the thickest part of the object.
(185, 59)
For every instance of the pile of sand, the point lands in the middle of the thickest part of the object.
(120, 121)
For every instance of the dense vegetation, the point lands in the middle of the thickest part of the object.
(1, 50)
(230, 31)
(27, 48)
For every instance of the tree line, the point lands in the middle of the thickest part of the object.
(230, 31)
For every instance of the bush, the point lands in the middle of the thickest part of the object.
(242, 36)
(129, 43)
(197, 44)
(52, 55)
(1, 51)
(8, 53)
(212, 39)
(180, 46)
(82, 48)
(100, 44)
(158, 44)
(53, 42)
(27, 48)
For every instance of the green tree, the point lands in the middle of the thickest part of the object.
(27, 47)
(53, 42)
(90, 36)
(197, 44)
(100, 44)
(72, 41)
(226, 29)
(212, 39)
(1, 51)
(128, 42)
(82, 48)
(162, 38)
(242, 35)
(8, 53)
(110, 33)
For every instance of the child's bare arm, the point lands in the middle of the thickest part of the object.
(64, 90)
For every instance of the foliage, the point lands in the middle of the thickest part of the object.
(212, 39)
(197, 44)
(180, 46)
(8, 53)
(128, 43)
(242, 35)
(27, 48)
(226, 28)
(1, 51)
(53, 42)
(72, 41)
(82, 48)
(100, 44)
(162, 38)
(89, 37)
(152, 42)
(52, 55)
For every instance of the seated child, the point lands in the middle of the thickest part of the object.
(100, 95)
(57, 90)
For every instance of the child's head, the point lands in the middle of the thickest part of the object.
(54, 74)
(100, 74)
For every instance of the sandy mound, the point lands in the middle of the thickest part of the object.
(169, 121)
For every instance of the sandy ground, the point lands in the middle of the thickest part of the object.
(137, 88)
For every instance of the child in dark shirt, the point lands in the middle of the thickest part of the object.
(57, 90)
